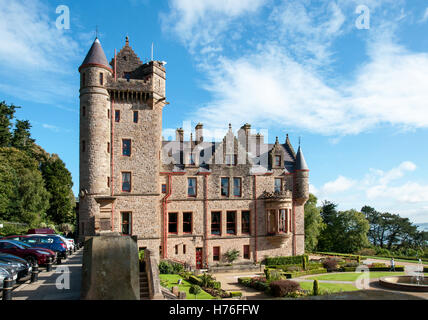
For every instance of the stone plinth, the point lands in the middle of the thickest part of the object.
(110, 268)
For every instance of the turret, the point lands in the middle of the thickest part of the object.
(95, 124)
(301, 179)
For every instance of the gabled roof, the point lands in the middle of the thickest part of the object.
(300, 161)
(96, 56)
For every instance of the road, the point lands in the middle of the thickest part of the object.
(54, 285)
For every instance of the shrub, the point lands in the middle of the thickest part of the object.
(207, 280)
(272, 274)
(270, 261)
(141, 255)
(195, 289)
(195, 280)
(246, 281)
(165, 268)
(231, 255)
(377, 265)
(382, 252)
(216, 285)
(331, 264)
(351, 265)
(177, 268)
(282, 288)
(235, 294)
(315, 288)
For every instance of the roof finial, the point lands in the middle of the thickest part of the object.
(300, 138)
(127, 41)
(96, 32)
(276, 140)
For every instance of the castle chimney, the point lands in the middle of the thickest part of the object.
(179, 134)
(199, 133)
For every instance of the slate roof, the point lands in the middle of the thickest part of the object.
(300, 161)
(96, 55)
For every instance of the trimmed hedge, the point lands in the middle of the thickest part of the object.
(344, 255)
(250, 282)
(235, 293)
(305, 273)
(195, 280)
(296, 260)
(352, 269)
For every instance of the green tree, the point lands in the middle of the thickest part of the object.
(313, 223)
(346, 231)
(59, 184)
(21, 138)
(26, 198)
(195, 289)
(7, 113)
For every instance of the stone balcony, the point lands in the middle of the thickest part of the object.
(277, 196)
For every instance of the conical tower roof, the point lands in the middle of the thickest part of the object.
(300, 163)
(96, 56)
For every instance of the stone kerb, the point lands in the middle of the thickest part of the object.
(110, 268)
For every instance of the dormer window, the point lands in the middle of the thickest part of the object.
(277, 161)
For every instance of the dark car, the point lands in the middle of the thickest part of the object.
(20, 249)
(22, 266)
(43, 241)
(4, 273)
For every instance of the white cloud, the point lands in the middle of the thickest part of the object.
(341, 184)
(202, 22)
(425, 16)
(36, 58)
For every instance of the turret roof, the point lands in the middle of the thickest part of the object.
(300, 163)
(96, 56)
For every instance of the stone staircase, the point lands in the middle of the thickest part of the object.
(144, 286)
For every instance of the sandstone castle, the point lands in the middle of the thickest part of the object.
(190, 201)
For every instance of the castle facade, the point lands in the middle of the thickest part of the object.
(192, 200)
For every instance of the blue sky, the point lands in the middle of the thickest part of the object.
(357, 97)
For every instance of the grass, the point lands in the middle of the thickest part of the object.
(329, 287)
(352, 276)
(171, 281)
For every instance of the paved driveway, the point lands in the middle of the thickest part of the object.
(46, 286)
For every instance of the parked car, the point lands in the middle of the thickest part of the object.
(12, 271)
(23, 250)
(51, 242)
(4, 273)
(41, 231)
(70, 244)
(22, 266)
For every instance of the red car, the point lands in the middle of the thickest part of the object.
(41, 231)
(23, 250)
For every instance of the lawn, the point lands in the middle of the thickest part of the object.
(329, 287)
(352, 276)
(424, 262)
(171, 281)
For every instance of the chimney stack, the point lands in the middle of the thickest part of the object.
(179, 134)
(199, 133)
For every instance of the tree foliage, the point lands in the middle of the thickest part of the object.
(313, 223)
(35, 186)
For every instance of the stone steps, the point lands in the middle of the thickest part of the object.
(144, 286)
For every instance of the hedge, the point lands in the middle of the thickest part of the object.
(235, 293)
(297, 260)
(258, 285)
(345, 255)
(304, 273)
(195, 280)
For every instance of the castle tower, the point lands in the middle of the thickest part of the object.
(94, 137)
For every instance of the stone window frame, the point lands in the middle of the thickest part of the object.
(218, 255)
(228, 187)
(240, 186)
(191, 222)
(275, 157)
(219, 223)
(162, 188)
(135, 119)
(176, 249)
(130, 147)
(195, 187)
(108, 182)
(130, 181)
(285, 220)
(83, 79)
(108, 146)
(235, 222)
(176, 222)
(83, 146)
(249, 222)
(277, 217)
(101, 77)
(83, 111)
(116, 115)
(184, 249)
(129, 222)
(282, 183)
(246, 254)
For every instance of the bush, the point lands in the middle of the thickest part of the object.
(195, 289)
(231, 255)
(195, 280)
(177, 268)
(272, 274)
(296, 260)
(351, 265)
(282, 288)
(377, 265)
(382, 252)
(304, 273)
(165, 268)
(141, 255)
(245, 281)
(235, 294)
(331, 264)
